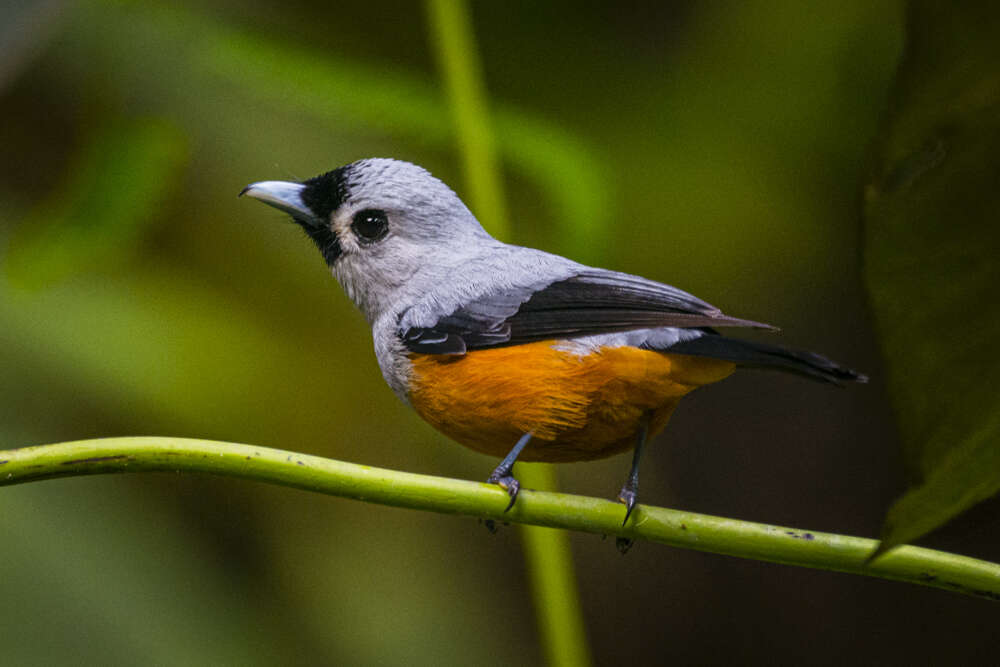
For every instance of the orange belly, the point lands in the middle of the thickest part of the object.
(577, 407)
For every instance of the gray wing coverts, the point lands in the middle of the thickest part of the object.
(589, 303)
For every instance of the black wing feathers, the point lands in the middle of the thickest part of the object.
(763, 355)
(593, 290)
(587, 304)
(596, 303)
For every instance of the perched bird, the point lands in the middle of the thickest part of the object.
(511, 350)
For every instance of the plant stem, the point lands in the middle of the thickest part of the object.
(743, 539)
(454, 42)
(551, 571)
(549, 560)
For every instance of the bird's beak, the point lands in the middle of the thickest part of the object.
(283, 196)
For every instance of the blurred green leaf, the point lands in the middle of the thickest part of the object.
(86, 552)
(159, 343)
(208, 55)
(111, 190)
(931, 262)
(26, 26)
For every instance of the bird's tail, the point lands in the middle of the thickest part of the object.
(763, 355)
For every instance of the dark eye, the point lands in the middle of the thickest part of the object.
(370, 225)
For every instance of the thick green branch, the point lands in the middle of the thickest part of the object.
(388, 487)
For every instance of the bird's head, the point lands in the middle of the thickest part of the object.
(385, 227)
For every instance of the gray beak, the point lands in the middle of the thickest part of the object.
(283, 196)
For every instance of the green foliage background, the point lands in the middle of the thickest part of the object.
(717, 147)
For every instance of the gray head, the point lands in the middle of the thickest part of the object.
(380, 224)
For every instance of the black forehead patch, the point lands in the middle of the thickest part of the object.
(325, 193)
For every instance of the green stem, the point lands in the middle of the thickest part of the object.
(550, 569)
(453, 40)
(743, 539)
(550, 563)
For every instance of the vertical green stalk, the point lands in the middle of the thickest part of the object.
(550, 570)
(454, 44)
(550, 563)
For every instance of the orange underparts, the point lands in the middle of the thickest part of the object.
(578, 407)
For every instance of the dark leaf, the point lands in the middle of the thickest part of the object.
(932, 249)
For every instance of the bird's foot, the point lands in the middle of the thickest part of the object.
(628, 496)
(503, 476)
(507, 482)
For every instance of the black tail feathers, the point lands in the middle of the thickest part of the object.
(762, 355)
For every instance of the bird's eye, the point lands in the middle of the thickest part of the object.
(370, 225)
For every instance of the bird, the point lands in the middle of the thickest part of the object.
(512, 351)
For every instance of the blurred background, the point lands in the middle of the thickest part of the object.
(718, 147)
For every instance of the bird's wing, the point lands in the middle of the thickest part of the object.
(592, 301)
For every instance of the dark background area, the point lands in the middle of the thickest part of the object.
(717, 147)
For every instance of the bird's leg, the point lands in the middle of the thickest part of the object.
(502, 474)
(630, 492)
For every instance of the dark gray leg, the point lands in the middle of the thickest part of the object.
(502, 475)
(630, 492)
